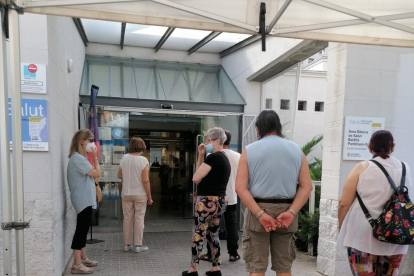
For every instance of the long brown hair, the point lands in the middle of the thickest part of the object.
(77, 139)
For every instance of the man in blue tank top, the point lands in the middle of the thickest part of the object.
(267, 177)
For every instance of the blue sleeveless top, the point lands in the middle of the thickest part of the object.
(274, 165)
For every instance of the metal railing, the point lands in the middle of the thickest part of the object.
(312, 202)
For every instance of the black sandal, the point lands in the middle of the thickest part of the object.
(234, 258)
(206, 258)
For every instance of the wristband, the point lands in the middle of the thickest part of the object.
(260, 213)
(293, 212)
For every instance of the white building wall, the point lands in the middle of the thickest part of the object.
(64, 43)
(278, 89)
(51, 40)
(362, 81)
(310, 123)
(312, 88)
(243, 63)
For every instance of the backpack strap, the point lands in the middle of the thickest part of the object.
(363, 207)
(365, 210)
(387, 175)
(403, 174)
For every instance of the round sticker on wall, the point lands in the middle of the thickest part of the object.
(32, 68)
(117, 133)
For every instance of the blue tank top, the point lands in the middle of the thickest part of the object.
(274, 165)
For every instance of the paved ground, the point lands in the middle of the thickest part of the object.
(168, 255)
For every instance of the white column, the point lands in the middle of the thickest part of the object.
(5, 158)
(17, 136)
(328, 261)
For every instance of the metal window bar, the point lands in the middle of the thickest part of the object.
(135, 78)
(122, 80)
(109, 78)
(211, 85)
(195, 79)
(159, 75)
(157, 96)
(190, 96)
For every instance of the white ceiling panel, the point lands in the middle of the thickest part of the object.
(102, 31)
(143, 35)
(184, 39)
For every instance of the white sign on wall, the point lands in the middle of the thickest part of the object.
(357, 133)
(33, 78)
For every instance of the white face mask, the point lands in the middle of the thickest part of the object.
(90, 147)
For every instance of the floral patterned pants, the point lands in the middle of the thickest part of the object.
(207, 215)
(365, 264)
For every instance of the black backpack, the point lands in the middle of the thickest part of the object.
(396, 222)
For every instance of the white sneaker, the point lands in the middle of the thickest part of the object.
(140, 249)
(128, 248)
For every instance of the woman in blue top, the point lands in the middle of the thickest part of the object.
(80, 175)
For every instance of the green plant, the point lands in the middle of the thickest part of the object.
(315, 169)
(308, 229)
(308, 232)
(310, 146)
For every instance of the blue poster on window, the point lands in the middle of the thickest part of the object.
(35, 134)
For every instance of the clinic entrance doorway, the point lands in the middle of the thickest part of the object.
(172, 141)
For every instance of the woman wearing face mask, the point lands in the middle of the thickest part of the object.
(136, 193)
(80, 176)
(212, 176)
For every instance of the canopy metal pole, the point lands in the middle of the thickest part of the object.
(18, 198)
(295, 103)
(278, 15)
(344, 23)
(5, 159)
(363, 16)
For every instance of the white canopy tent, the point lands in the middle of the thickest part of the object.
(375, 22)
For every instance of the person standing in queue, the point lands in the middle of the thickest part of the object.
(211, 176)
(366, 254)
(80, 176)
(269, 170)
(136, 194)
(230, 215)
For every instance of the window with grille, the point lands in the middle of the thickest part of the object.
(284, 104)
(302, 105)
(319, 106)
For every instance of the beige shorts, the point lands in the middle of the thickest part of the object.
(257, 242)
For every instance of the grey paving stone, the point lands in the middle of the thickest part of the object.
(169, 254)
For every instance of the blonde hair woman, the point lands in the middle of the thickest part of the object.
(80, 176)
(136, 193)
